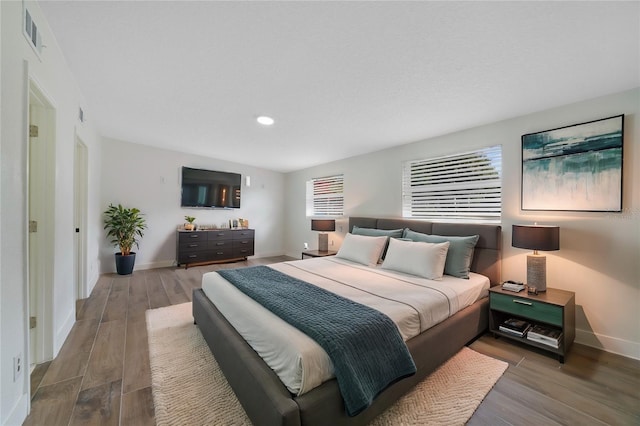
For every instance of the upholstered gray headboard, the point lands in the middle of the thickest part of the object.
(487, 258)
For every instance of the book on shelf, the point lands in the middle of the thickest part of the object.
(515, 327)
(545, 335)
(543, 341)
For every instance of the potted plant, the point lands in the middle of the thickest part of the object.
(124, 226)
(190, 226)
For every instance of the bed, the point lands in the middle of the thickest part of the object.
(268, 401)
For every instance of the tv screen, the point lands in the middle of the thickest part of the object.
(209, 188)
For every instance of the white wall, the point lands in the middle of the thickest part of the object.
(148, 178)
(599, 256)
(54, 78)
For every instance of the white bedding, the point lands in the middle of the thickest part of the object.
(413, 303)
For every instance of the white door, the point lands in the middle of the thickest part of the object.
(41, 186)
(37, 153)
(80, 217)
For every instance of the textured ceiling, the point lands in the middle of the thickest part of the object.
(340, 78)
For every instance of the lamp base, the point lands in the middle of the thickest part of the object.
(537, 272)
(323, 242)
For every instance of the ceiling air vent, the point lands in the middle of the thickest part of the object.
(31, 32)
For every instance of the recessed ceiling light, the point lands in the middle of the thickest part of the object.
(265, 121)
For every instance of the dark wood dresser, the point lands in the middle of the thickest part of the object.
(213, 245)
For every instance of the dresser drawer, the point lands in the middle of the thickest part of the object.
(220, 244)
(527, 308)
(220, 235)
(222, 253)
(193, 245)
(242, 248)
(243, 234)
(195, 256)
(185, 237)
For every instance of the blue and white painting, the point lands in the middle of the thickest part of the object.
(574, 168)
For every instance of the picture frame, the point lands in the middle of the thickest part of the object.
(574, 168)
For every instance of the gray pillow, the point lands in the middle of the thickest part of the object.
(460, 254)
(373, 232)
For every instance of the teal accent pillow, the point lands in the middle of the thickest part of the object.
(460, 254)
(373, 232)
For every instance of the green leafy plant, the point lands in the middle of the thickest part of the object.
(124, 226)
(189, 219)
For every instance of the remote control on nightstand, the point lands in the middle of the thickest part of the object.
(513, 286)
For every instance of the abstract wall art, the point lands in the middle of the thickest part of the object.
(574, 168)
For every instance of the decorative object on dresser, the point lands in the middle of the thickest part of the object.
(124, 226)
(213, 245)
(551, 315)
(536, 237)
(189, 226)
(324, 226)
(574, 168)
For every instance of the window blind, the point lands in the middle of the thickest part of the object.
(459, 187)
(325, 196)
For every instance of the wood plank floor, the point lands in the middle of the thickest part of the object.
(102, 376)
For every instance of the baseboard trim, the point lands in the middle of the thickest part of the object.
(611, 344)
(19, 412)
(63, 332)
(152, 265)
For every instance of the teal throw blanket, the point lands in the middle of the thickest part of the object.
(365, 346)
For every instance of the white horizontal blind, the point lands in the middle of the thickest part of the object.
(325, 196)
(459, 187)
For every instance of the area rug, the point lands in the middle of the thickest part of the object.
(190, 389)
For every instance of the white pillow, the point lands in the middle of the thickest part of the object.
(416, 258)
(362, 249)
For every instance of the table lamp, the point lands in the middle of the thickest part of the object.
(536, 237)
(323, 225)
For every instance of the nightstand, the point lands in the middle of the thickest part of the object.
(555, 308)
(318, 253)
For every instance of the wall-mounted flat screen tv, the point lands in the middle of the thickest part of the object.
(210, 188)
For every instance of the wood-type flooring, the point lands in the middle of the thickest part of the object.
(101, 375)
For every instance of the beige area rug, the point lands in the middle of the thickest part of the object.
(189, 388)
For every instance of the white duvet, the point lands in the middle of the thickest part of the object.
(413, 303)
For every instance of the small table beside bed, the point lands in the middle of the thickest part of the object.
(284, 377)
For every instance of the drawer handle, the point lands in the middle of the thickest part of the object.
(219, 244)
(221, 234)
(193, 236)
(220, 252)
(193, 245)
(193, 256)
(522, 302)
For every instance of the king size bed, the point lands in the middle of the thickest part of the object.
(280, 378)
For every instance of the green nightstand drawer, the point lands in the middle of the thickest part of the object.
(528, 308)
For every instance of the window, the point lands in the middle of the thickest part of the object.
(325, 196)
(460, 187)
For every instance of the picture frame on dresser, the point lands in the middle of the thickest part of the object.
(574, 168)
